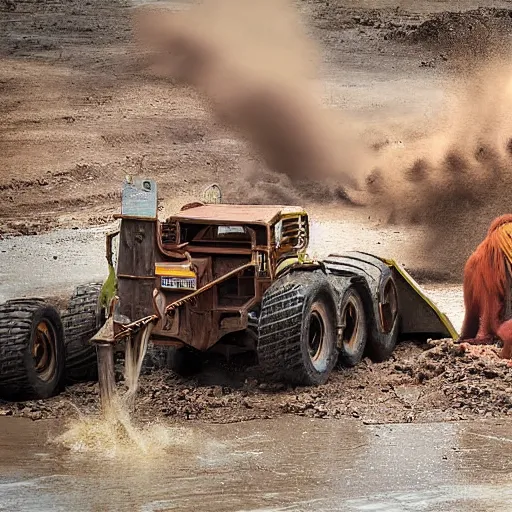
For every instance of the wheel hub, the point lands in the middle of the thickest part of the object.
(316, 335)
(44, 350)
(389, 307)
(351, 329)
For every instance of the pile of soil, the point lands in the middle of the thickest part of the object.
(473, 32)
(436, 381)
(334, 16)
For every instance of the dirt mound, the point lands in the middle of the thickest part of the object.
(466, 33)
(336, 15)
(438, 381)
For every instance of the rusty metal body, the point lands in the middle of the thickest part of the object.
(234, 277)
(197, 276)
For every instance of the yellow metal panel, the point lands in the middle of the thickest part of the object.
(286, 263)
(301, 258)
(416, 287)
(161, 269)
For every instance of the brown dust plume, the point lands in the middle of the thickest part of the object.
(456, 180)
(254, 66)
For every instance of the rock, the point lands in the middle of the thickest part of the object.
(35, 415)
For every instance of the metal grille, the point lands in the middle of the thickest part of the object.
(294, 232)
(169, 233)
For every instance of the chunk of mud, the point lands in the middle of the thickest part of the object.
(435, 381)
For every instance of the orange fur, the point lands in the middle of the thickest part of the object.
(485, 290)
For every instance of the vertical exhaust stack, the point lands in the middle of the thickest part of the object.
(137, 247)
(135, 282)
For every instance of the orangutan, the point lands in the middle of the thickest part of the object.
(486, 288)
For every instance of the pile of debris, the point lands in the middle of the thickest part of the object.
(437, 381)
(474, 31)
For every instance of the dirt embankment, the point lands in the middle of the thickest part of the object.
(434, 382)
(77, 114)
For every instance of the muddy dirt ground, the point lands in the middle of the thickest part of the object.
(76, 116)
(422, 382)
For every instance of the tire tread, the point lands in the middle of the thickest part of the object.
(80, 321)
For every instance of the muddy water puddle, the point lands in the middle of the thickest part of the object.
(286, 464)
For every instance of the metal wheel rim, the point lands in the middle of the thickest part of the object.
(44, 350)
(391, 298)
(350, 320)
(316, 335)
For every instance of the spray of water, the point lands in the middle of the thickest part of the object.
(114, 432)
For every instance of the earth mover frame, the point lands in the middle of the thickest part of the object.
(218, 276)
(213, 277)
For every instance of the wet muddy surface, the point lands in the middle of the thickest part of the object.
(421, 383)
(294, 464)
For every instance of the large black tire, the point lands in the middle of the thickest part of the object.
(31, 350)
(297, 329)
(381, 345)
(82, 320)
(355, 332)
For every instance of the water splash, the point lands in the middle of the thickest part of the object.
(120, 437)
(114, 433)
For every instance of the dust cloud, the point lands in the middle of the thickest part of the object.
(457, 179)
(255, 67)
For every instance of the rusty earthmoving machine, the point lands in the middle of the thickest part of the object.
(216, 277)
(238, 278)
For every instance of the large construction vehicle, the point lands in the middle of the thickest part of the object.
(217, 276)
(230, 278)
